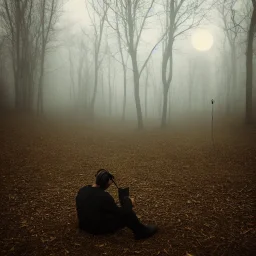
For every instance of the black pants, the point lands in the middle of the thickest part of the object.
(115, 223)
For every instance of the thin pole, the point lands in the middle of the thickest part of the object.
(212, 101)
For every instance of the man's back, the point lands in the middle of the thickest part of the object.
(95, 208)
(89, 201)
(99, 214)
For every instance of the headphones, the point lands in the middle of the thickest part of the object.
(102, 178)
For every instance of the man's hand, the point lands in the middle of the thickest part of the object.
(133, 201)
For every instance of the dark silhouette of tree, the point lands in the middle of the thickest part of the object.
(249, 66)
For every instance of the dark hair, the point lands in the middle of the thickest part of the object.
(103, 177)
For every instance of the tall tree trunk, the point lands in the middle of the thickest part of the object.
(249, 67)
(168, 56)
(98, 39)
(80, 71)
(40, 99)
(137, 102)
(115, 97)
(43, 49)
(234, 77)
(166, 82)
(103, 93)
(228, 88)
(40, 85)
(124, 101)
(109, 89)
(146, 101)
(160, 103)
(169, 100)
(192, 70)
(165, 104)
(96, 67)
(190, 97)
(136, 79)
(17, 44)
(72, 92)
(146, 95)
(31, 90)
(123, 65)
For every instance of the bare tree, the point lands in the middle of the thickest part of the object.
(72, 93)
(132, 19)
(48, 11)
(232, 27)
(103, 91)
(170, 105)
(191, 81)
(155, 92)
(109, 82)
(3, 67)
(249, 66)
(180, 16)
(124, 64)
(225, 73)
(98, 19)
(84, 71)
(16, 18)
(146, 92)
(28, 25)
(114, 24)
(81, 65)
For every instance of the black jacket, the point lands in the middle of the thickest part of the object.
(95, 207)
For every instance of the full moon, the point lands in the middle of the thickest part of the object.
(202, 40)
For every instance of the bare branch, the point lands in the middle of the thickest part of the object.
(152, 50)
(143, 23)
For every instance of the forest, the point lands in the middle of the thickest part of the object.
(159, 92)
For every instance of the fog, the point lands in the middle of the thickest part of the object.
(197, 76)
(156, 97)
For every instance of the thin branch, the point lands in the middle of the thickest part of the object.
(143, 24)
(159, 41)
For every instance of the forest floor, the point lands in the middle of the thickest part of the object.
(201, 196)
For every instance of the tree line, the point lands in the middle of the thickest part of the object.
(28, 30)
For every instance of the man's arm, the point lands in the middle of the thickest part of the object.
(110, 206)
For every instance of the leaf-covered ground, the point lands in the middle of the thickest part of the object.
(201, 196)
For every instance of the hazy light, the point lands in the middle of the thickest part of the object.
(202, 40)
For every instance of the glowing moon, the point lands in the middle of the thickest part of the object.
(202, 40)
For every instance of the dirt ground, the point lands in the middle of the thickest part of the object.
(202, 196)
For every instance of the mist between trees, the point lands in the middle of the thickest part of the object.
(127, 59)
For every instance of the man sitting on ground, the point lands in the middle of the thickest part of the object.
(98, 213)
